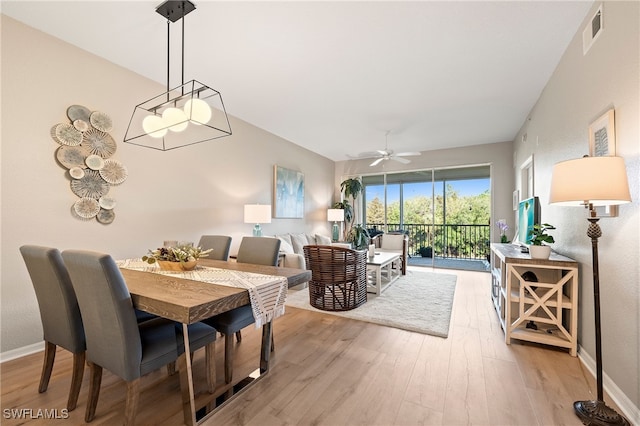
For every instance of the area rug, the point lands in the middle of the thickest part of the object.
(418, 301)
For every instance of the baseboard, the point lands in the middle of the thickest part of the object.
(20, 352)
(628, 408)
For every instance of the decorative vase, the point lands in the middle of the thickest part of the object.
(539, 252)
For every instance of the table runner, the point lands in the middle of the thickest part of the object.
(266, 292)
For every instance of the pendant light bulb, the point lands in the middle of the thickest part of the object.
(154, 126)
(175, 119)
(197, 111)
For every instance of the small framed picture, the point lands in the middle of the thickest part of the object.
(602, 143)
(602, 135)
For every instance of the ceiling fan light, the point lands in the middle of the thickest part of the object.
(175, 119)
(197, 111)
(154, 126)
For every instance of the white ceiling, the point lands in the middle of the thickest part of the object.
(334, 77)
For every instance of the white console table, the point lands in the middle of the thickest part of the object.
(543, 311)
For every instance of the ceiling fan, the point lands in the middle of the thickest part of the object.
(387, 154)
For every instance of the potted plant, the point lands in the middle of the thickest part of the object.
(536, 237)
(503, 227)
(358, 237)
(180, 258)
(425, 251)
(351, 187)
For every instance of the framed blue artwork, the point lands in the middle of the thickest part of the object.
(288, 193)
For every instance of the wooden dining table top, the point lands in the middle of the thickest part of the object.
(189, 301)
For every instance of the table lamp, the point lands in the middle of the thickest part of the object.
(335, 216)
(257, 213)
(589, 182)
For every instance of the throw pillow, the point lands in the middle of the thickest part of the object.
(323, 240)
(285, 237)
(298, 241)
(285, 246)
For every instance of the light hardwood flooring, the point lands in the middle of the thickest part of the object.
(329, 370)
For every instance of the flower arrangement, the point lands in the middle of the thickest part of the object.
(502, 225)
(182, 254)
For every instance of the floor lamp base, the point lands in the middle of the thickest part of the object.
(598, 413)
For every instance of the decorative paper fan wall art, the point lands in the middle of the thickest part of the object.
(84, 152)
(99, 143)
(91, 185)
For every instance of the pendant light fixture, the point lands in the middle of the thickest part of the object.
(185, 115)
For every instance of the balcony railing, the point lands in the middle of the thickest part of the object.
(456, 241)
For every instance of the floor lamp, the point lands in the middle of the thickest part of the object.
(592, 181)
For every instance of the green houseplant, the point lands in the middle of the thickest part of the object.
(536, 237)
(351, 188)
(358, 237)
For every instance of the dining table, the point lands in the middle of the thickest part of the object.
(188, 301)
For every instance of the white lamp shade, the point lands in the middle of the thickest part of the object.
(596, 180)
(257, 213)
(335, 215)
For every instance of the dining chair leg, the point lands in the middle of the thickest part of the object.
(47, 365)
(95, 379)
(131, 405)
(228, 358)
(76, 379)
(238, 336)
(210, 366)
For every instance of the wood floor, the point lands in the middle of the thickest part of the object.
(329, 370)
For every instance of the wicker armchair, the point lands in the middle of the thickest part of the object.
(338, 277)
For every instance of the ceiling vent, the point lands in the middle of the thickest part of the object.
(592, 31)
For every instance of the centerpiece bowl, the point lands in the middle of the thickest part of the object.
(167, 265)
(177, 259)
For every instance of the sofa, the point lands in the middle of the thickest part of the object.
(292, 247)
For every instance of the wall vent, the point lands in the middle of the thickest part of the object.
(592, 31)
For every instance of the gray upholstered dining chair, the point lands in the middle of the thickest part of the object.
(220, 244)
(114, 338)
(259, 251)
(59, 312)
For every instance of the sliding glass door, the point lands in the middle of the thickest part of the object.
(445, 212)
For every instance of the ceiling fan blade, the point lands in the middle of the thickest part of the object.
(375, 163)
(400, 160)
(408, 154)
(368, 154)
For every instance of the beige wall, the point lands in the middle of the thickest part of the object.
(581, 89)
(175, 195)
